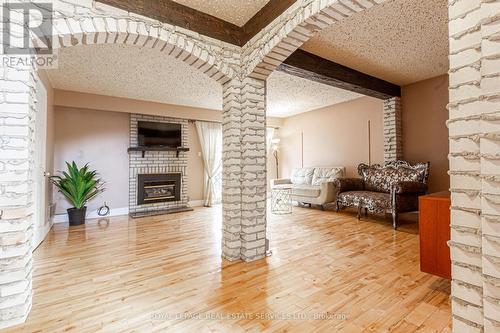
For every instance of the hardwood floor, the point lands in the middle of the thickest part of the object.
(328, 273)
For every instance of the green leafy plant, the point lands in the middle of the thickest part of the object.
(78, 185)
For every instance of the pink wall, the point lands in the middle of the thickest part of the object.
(425, 135)
(101, 138)
(333, 136)
(100, 102)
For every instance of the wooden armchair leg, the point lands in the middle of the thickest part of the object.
(394, 220)
(359, 213)
(366, 212)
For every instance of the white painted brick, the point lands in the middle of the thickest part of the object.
(491, 325)
(465, 75)
(491, 309)
(467, 22)
(460, 326)
(458, 254)
(470, 93)
(467, 293)
(462, 7)
(467, 41)
(469, 312)
(464, 58)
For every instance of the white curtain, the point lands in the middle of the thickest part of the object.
(269, 139)
(210, 135)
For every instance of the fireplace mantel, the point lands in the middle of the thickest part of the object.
(145, 149)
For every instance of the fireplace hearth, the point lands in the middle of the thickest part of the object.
(156, 188)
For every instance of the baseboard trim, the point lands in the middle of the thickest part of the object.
(196, 203)
(63, 218)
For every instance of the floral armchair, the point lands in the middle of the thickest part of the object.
(393, 188)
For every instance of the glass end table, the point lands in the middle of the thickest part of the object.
(281, 200)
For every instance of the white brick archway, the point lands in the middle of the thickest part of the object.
(76, 24)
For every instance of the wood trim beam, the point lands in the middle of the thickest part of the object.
(312, 67)
(263, 17)
(168, 11)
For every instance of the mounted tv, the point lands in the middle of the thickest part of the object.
(153, 134)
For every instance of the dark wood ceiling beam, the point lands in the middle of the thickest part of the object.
(312, 67)
(263, 17)
(168, 11)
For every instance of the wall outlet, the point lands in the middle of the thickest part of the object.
(52, 209)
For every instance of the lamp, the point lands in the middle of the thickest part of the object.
(275, 147)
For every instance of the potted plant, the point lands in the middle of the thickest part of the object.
(78, 185)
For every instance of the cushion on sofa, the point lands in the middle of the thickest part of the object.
(306, 191)
(367, 199)
(302, 176)
(322, 175)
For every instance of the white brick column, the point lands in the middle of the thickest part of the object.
(474, 128)
(231, 170)
(393, 138)
(17, 110)
(244, 170)
(490, 162)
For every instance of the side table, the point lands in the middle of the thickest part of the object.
(281, 200)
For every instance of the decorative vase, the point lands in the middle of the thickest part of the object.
(77, 215)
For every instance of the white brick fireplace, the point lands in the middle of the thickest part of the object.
(155, 164)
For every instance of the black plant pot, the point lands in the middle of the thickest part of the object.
(77, 215)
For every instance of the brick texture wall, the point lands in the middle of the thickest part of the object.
(393, 135)
(474, 127)
(17, 114)
(156, 162)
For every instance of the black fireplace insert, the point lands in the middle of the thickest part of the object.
(154, 188)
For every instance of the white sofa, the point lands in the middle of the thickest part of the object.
(313, 186)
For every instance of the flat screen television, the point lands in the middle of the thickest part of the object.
(153, 134)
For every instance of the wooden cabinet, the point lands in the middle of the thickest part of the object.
(434, 225)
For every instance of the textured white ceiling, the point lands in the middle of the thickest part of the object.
(235, 11)
(401, 41)
(146, 74)
(132, 72)
(288, 95)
